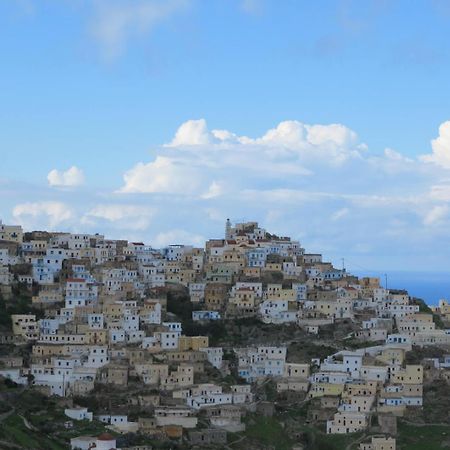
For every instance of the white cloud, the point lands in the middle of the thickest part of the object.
(70, 178)
(393, 155)
(441, 148)
(333, 142)
(436, 215)
(215, 189)
(300, 179)
(164, 175)
(192, 132)
(339, 214)
(196, 157)
(116, 22)
(295, 134)
(46, 214)
(393, 162)
(315, 182)
(282, 195)
(121, 216)
(440, 192)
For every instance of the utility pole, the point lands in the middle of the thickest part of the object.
(385, 281)
(343, 264)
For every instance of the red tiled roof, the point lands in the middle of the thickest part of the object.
(105, 437)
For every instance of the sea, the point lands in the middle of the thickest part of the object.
(429, 286)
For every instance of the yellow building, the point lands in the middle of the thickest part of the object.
(152, 373)
(187, 276)
(252, 272)
(411, 374)
(326, 307)
(379, 443)
(195, 343)
(97, 337)
(328, 389)
(182, 377)
(113, 311)
(296, 370)
(243, 298)
(273, 267)
(347, 422)
(25, 325)
(392, 356)
(13, 233)
(216, 296)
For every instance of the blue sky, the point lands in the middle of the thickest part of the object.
(103, 86)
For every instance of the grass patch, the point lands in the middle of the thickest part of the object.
(429, 437)
(14, 430)
(268, 431)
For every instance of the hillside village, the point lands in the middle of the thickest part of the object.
(132, 347)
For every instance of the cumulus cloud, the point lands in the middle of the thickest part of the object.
(441, 148)
(290, 163)
(319, 183)
(69, 178)
(192, 132)
(305, 180)
(334, 143)
(116, 22)
(164, 175)
(121, 216)
(42, 215)
(196, 157)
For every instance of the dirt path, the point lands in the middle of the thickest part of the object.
(357, 441)
(240, 439)
(8, 445)
(28, 424)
